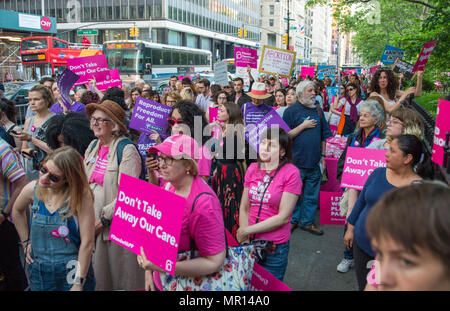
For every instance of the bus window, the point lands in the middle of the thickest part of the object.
(167, 57)
(157, 57)
(175, 58)
(183, 58)
(203, 60)
(196, 59)
(190, 59)
(59, 44)
(34, 44)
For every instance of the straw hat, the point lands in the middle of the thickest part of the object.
(258, 91)
(112, 109)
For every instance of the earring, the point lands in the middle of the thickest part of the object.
(187, 172)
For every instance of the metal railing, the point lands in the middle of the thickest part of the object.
(21, 113)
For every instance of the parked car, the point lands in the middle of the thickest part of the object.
(20, 98)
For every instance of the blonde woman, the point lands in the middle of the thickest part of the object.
(187, 94)
(61, 232)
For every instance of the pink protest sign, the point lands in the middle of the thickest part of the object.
(329, 208)
(285, 81)
(213, 114)
(244, 57)
(359, 164)
(148, 216)
(107, 79)
(424, 56)
(374, 68)
(442, 127)
(182, 77)
(87, 67)
(307, 71)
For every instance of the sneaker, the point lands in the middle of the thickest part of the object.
(312, 229)
(345, 265)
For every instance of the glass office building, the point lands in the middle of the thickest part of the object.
(204, 24)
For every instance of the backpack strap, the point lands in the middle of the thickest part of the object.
(93, 145)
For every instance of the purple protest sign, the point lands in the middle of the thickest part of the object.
(107, 79)
(65, 82)
(149, 115)
(424, 56)
(244, 57)
(254, 131)
(87, 66)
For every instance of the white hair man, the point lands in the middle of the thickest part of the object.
(309, 131)
(140, 84)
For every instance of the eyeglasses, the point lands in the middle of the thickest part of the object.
(51, 176)
(394, 122)
(222, 97)
(350, 89)
(167, 161)
(172, 122)
(99, 121)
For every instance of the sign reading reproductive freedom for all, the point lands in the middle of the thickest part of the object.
(277, 61)
(150, 217)
(149, 115)
(359, 164)
(442, 127)
(87, 67)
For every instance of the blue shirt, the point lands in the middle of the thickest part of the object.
(307, 146)
(374, 188)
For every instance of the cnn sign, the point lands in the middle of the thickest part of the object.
(46, 23)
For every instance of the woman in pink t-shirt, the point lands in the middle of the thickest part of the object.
(271, 189)
(178, 168)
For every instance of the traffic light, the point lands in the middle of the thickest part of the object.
(240, 32)
(285, 38)
(245, 32)
(134, 32)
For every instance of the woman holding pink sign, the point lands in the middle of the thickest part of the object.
(271, 189)
(177, 162)
(405, 152)
(58, 244)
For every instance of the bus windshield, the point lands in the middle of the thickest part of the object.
(34, 44)
(126, 60)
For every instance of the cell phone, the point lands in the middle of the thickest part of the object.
(14, 132)
(26, 153)
(152, 155)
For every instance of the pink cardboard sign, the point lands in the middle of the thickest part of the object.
(442, 127)
(245, 57)
(307, 71)
(87, 67)
(285, 81)
(329, 208)
(213, 114)
(359, 164)
(107, 79)
(424, 56)
(182, 77)
(148, 216)
(374, 68)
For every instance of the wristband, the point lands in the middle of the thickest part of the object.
(79, 281)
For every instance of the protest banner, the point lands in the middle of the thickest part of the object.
(390, 54)
(149, 115)
(285, 81)
(213, 114)
(307, 71)
(106, 79)
(262, 280)
(332, 91)
(87, 66)
(185, 71)
(359, 164)
(65, 82)
(182, 77)
(244, 57)
(440, 131)
(150, 217)
(277, 61)
(220, 73)
(330, 213)
(424, 56)
(253, 131)
(404, 68)
(326, 71)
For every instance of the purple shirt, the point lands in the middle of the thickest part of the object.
(252, 114)
(76, 107)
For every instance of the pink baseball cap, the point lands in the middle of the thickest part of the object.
(179, 147)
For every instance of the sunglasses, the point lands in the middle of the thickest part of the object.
(172, 122)
(350, 89)
(51, 176)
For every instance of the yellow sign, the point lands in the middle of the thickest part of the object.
(277, 61)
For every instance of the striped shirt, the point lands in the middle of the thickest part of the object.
(11, 170)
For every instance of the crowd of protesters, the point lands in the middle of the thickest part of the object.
(61, 175)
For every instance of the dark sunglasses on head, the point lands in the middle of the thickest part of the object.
(172, 122)
(52, 177)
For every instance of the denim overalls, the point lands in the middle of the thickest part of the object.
(54, 248)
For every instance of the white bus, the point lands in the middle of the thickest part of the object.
(149, 61)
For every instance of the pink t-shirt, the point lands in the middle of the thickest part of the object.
(100, 166)
(287, 180)
(204, 164)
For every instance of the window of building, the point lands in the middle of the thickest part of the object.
(271, 9)
(271, 22)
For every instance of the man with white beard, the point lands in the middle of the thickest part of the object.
(309, 131)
